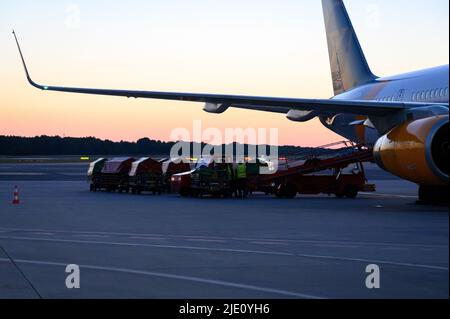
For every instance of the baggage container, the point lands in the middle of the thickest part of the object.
(146, 176)
(113, 176)
(181, 183)
(172, 167)
(96, 167)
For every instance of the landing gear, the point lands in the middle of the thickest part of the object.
(433, 194)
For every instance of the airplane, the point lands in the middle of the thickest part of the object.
(405, 118)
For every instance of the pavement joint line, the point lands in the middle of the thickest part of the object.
(14, 263)
(386, 262)
(174, 277)
(232, 238)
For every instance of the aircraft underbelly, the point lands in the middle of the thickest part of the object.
(340, 124)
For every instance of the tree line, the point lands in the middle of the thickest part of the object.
(56, 145)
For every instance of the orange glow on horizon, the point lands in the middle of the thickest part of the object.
(266, 48)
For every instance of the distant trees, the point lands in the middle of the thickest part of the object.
(56, 145)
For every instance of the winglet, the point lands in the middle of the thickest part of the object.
(25, 67)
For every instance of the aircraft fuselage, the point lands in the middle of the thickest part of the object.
(430, 85)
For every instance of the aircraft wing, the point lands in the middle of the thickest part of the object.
(216, 103)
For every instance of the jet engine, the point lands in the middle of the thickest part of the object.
(417, 151)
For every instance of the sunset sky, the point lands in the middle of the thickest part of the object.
(246, 47)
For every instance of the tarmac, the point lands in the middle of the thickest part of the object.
(130, 246)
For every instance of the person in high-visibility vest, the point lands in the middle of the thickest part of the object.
(231, 180)
(241, 176)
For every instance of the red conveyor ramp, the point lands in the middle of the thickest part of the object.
(327, 157)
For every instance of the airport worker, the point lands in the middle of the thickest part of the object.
(241, 176)
(231, 178)
(230, 172)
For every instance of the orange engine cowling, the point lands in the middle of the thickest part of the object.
(417, 151)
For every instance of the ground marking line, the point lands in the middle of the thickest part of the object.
(232, 251)
(176, 277)
(233, 238)
(92, 236)
(268, 243)
(148, 238)
(207, 240)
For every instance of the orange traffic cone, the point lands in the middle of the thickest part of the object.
(16, 200)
